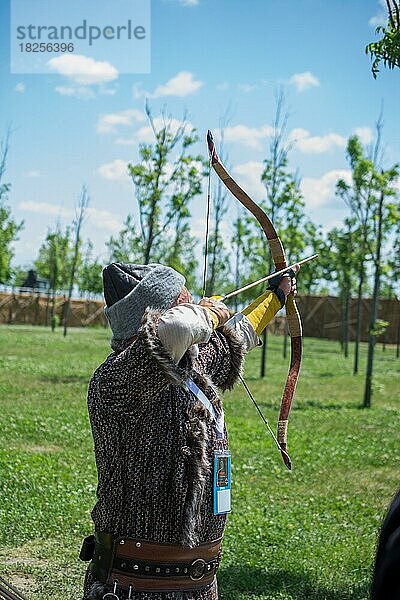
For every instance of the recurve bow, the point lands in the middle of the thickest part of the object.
(292, 314)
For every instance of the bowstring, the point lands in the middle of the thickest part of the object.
(205, 265)
(264, 419)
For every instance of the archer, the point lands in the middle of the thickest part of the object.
(159, 434)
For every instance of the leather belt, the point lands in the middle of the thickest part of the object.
(153, 567)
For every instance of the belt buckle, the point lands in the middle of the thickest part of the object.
(197, 569)
(112, 595)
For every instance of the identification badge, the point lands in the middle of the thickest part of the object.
(222, 482)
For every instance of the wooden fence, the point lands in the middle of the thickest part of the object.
(321, 315)
(35, 309)
(322, 318)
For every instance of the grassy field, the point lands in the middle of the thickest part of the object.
(309, 533)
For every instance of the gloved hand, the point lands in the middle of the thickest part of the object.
(217, 310)
(283, 285)
(264, 308)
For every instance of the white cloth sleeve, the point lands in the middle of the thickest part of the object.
(241, 325)
(183, 326)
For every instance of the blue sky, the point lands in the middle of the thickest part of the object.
(82, 125)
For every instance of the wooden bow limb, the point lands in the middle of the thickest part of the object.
(292, 314)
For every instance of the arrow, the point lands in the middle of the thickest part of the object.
(263, 279)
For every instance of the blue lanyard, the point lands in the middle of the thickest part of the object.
(219, 420)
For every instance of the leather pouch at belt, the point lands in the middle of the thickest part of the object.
(154, 567)
(103, 556)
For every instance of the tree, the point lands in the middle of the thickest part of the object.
(387, 49)
(166, 179)
(19, 274)
(282, 195)
(394, 266)
(392, 273)
(342, 257)
(321, 269)
(54, 258)
(359, 195)
(274, 178)
(240, 242)
(180, 252)
(386, 215)
(294, 221)
(89, 272)
(293, 232)
(217, 265)
(54, 263)
(79, 217)
(9, 228)
(127, 245)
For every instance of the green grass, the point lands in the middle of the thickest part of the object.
(309, 533)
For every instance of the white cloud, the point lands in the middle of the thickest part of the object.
(20, 87)
(304, 81)
(116, 170)
(197, 229)
(249, 136)
(45, 208)
(319, 191)
(249, 178)
(221, 87)
(246, 88)
(145, 134)
(189, 2)
(365, 134)
(107, 91)
(83, 70)
(33, 173)
(138, 92)
(183, 84)
(101, 219)
(132, 140)
(308, 144)
(81, 92)
(108, 123)
(381, 17)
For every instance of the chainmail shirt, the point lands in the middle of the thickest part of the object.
(154, 444)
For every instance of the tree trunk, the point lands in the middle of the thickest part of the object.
(358, 320)
(265, 335)
(237, 273)
(285, 339)
(374, 311)
(264, 352)
(342, 324)
(46, 319)
(218, 206)
(82, 208)
(67, 305)
(53, 306)
(346, 319)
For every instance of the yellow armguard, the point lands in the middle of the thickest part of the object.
(262, 310)
(213, 317)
